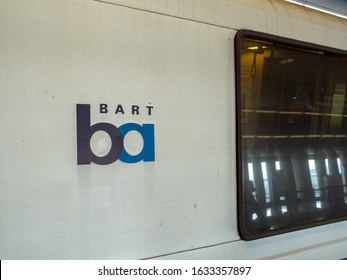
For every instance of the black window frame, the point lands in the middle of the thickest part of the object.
(255, 35)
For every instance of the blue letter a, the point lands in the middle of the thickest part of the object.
(147, 133)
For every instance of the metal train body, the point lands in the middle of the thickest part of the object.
(169, 64)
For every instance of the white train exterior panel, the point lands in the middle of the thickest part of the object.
(58, 54)
(165, 63)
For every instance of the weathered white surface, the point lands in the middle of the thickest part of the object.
(180, 59)
(55, 54)
(275, 17)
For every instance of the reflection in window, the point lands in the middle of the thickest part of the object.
(314, 182)
(250, 172)
(338, 160)
(327, 166)
(293, 134)
(278, 165)
(266, 181)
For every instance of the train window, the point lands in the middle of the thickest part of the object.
(291, 134)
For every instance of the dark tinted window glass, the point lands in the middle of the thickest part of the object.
(292, 135)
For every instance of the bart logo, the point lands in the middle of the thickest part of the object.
(85, 131)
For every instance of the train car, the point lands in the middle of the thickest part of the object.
(172, 130)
